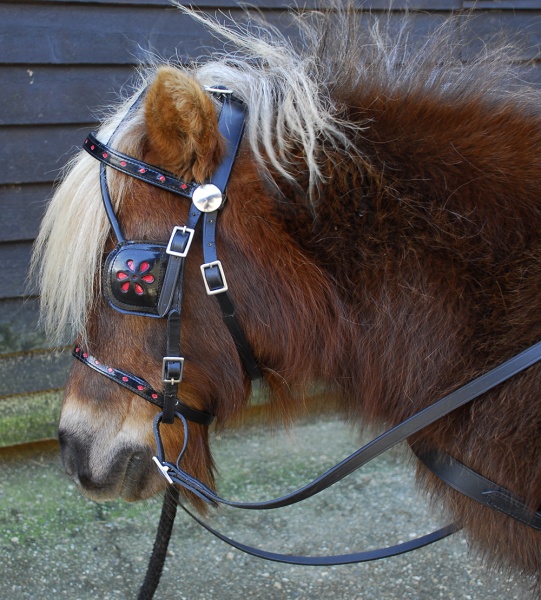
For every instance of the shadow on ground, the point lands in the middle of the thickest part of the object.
(56, 544)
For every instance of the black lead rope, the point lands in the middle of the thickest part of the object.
(161, 543)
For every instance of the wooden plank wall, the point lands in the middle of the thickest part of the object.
(60, 62)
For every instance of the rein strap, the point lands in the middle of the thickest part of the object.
(382, 443)
(463, 395)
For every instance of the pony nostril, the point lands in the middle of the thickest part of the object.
(74, 456)
(87, 483)
(67, 454)
(62, 438)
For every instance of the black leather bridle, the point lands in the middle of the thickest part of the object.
(146, 278)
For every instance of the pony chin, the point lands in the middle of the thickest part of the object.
(108, 457)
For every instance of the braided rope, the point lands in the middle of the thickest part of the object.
(161, 543)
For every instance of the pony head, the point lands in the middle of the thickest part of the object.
(106, 431)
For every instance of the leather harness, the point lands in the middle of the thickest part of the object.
(146, 279)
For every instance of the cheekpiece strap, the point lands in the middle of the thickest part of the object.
(141, 387)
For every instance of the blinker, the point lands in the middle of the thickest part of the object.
(133, 277)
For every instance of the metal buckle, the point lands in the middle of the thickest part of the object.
(209, 265)
(184, 253)
(163, 469)
(217, 90)
(165, 362)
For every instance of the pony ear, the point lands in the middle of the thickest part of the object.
(182, 125)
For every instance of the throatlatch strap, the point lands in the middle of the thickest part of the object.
(216, 285)
(231, 126)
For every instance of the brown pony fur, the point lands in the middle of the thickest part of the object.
(415, 267)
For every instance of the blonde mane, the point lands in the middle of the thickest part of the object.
(72, 236)
(290, 93)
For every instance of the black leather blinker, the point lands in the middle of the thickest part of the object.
(133, 276)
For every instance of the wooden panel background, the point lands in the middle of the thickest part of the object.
(60, 63)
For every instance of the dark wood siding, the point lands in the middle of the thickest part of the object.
(61, 62)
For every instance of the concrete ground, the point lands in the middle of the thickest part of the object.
(56, 544)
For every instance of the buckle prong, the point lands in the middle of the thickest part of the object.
(163, 469)
(167, 360)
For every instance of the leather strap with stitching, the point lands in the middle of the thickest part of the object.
(477, 487)
(137, 168)
(140, 387)
(382, 443)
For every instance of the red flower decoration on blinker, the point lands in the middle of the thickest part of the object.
(135, 276)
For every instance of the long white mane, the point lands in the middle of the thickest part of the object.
(289, 93)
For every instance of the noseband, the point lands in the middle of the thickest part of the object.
(146, 279)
